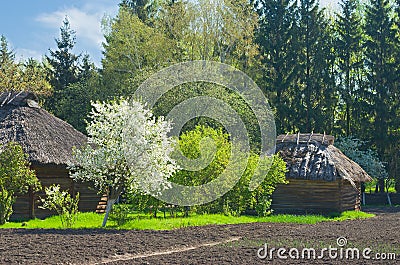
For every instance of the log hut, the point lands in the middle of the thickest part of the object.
(321, 178)
(48, 141)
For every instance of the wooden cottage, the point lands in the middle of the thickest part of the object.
(321, 178)
(48, 141)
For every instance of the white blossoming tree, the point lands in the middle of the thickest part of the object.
(128, 150)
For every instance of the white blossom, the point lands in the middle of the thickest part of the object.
(128, 150)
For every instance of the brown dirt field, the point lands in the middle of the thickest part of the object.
(225, 244)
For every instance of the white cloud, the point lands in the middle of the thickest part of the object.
(86, 25)
(23, 54)
(85, 19)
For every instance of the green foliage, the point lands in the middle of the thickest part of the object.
(133, 50)
(350, 62)
(145, 10)
(240, 198)
(15, 177)
(119, 214)
(74, 104)
(337, 74)
(279, 49)
(120, 161)
(19, 76)
(190, 143)
(6, 202)
(75, 82)
(63, 64)
(382, 78)
(193, 145)
(276, 175)
(139, 43)
(367, 158)
(63, 203)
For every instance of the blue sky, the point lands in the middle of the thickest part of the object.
(31, 26)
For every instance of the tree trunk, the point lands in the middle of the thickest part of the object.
(110, 203)
(380, 186)
(112, 198)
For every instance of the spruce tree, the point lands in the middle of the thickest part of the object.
(275, 38)
(6, 55)
(8, 67)
(315, 81)
(63, 67)
(382, 76)
(349, 50)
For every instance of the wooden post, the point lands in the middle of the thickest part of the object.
(340, 195)
(363, 198)
(388, 197)
(31, 197)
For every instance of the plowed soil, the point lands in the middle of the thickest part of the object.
(225, 244)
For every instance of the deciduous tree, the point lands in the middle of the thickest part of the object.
(128, 150)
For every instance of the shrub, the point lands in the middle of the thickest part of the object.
(15, 176)
(262, 195)
(6, 203)
(240, 197)
(120, 214)
(63, 203)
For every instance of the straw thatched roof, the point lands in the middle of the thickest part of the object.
(313, 157)
(44, 137)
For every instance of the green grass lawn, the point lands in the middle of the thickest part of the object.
(93, 220)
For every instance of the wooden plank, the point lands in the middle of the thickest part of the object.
(313, 196)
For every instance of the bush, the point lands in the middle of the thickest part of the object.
(15, 177)
(6, 203)
(63, 203)
(240, 198)
(119, 214)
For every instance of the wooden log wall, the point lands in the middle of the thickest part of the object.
(314, 196)
(26, 205)
(350, 197)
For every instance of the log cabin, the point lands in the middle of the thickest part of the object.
(49, 143)
(321, 178)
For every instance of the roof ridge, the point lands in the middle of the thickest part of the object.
(306, 138)
(16, 98)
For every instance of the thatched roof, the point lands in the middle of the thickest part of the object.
(44, 137)
(313, 157)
